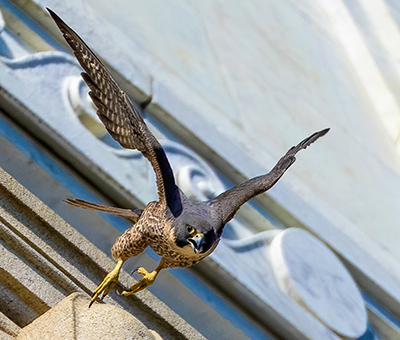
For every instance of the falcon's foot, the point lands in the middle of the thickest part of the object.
(147, 280)
(107, 284)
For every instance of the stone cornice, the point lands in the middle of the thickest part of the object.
(44, 259)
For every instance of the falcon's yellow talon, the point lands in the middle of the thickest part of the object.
(147, 280)
(143, 271)
(107, 284)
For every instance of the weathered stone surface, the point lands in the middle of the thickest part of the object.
(8, 329)
(71, 319)
(45, 259)
(6, 336)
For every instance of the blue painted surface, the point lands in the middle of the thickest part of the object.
(33, 26)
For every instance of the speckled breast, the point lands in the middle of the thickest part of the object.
(174, 256)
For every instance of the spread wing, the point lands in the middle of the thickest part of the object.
(120, 117)
(225, 205)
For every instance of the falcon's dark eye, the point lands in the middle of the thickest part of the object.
(190, 229)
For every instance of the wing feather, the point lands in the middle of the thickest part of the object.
(225, 205)
(120, 117)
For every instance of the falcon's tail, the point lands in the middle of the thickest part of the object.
(127, 213)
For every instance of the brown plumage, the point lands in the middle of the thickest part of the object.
(127, 213)
(182, 232)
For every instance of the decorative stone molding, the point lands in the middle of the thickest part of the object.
(194, 176)
(43, 259)
(76, 92)
(314, 277)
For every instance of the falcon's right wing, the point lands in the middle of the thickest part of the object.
(120, 117)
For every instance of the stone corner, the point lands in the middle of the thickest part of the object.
(71, 319)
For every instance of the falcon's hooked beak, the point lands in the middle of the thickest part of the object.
(197, 242)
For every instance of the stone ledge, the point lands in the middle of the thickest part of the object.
(46, 259)
(71, 319)
(8, 329)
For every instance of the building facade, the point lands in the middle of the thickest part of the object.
(227, 88)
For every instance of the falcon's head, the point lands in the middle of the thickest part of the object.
(192, 230)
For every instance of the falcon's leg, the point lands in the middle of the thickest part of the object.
(108, 283)
(147, 279)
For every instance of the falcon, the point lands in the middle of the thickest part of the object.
(180, 231)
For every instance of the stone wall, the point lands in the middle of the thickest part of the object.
(44, 260)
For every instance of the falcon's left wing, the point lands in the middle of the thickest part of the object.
(225, 205)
